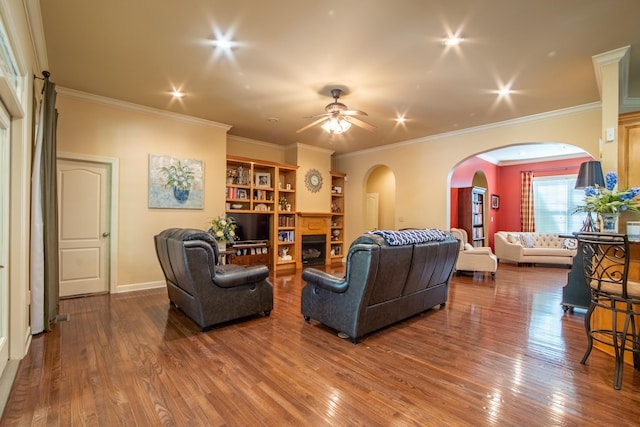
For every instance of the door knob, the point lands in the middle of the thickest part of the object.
(105, 234)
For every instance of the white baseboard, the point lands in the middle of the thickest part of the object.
(140, 286)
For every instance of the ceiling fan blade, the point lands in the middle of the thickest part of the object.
(318, 115)
(302, 129)
(353, 113)
(360, 123)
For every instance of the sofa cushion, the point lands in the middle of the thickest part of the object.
(514, 238)
(528, 241)
(547, 252)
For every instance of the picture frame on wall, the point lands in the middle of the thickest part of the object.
(495, 201)
(175, 183)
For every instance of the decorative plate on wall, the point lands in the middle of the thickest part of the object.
(313, 180)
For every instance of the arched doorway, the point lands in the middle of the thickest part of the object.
(380, 199)
(502, 179)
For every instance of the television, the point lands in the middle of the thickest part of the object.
(252, 226)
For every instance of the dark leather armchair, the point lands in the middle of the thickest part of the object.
(207, 292)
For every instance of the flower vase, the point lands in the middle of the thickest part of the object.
(180, 195)
(222, 245)
(609, 222)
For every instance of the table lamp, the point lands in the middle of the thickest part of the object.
(590, 175)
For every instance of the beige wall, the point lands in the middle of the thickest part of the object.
(244, 147)
(100, 127)
(308, 157)
(422, 169)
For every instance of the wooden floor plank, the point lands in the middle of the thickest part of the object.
(501, 352)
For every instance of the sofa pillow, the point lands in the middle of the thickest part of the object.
(528, 241)
(514, 238)
(570, 244)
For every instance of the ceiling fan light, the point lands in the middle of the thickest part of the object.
(336, 126)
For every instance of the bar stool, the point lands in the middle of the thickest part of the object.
(605, 259)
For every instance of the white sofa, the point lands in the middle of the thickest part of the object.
(534, 248)
(479, 259)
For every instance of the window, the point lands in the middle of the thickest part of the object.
(554, 200)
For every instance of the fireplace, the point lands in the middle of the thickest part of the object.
(314, 249)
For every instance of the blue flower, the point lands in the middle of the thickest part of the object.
(611, 179)
(609, 199)
(590, 191)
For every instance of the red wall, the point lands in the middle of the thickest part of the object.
(463, 177)
(509, 186)
(504, 181)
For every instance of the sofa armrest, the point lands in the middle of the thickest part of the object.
(325, 280)
(507, 250)
(232, 275)
(479, 251)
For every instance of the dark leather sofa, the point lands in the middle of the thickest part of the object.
(207, 292)
(384, 284)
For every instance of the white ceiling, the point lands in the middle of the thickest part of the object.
(527, 152)
(388, 55)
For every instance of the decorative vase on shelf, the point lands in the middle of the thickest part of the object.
(609, 222)
(222, 245)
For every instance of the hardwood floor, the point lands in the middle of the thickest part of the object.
(499, 353)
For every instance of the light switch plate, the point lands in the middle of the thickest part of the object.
(611, 134)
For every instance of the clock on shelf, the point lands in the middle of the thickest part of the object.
(313, 180)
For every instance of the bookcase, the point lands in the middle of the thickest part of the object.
(336, 242)
(471, 213)
(255, 186)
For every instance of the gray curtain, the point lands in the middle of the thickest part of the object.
(44, 237)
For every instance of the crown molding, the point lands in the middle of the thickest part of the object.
(97, 99)
(482, 128)
(313, 148)
(270, 145)
(622, 57)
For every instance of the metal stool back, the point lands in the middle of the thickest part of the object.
(605, 259)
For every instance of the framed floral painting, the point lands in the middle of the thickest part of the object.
(175, 183)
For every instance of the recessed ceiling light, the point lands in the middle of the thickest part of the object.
(223, 44)
(452, 41)
(505, 91)
(401, 119)
(176, 93)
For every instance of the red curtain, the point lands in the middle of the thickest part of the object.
(526, 203)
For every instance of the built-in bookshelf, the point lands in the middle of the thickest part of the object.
(254, 186)
(336, 242)
(285, 218)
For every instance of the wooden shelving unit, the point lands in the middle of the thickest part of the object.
(285, 229)
(255, 186)
(336, 238)
(471, 212)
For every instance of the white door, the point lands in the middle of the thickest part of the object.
(83, 189)
(5, 126)
(371, 212)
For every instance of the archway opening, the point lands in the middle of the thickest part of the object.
(380, 199)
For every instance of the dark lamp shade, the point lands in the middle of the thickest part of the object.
(590, 175)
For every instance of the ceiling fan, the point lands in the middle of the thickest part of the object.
(337, 118)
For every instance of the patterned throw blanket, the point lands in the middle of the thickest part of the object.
(408, 237)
